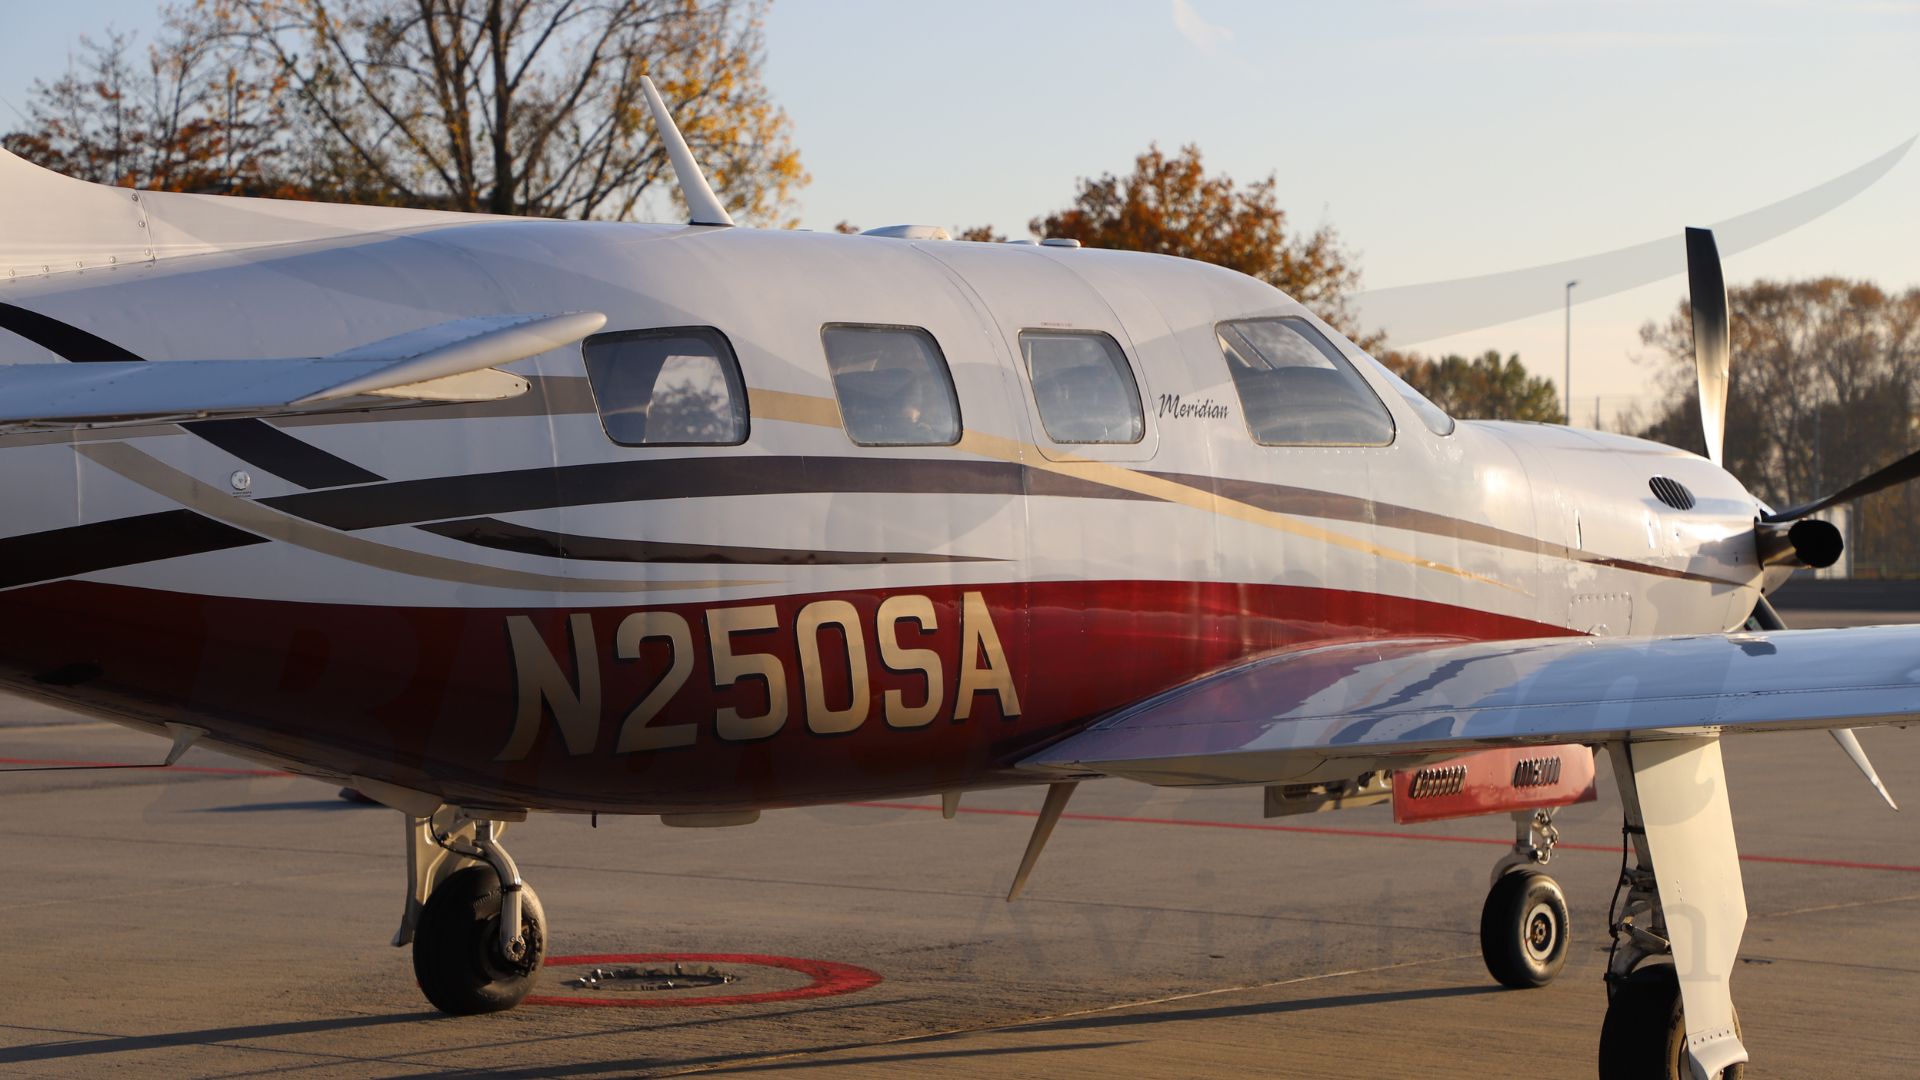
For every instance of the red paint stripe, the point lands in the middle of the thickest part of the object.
(210, 769)
(1375, 834)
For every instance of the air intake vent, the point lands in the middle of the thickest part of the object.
(1671, 492)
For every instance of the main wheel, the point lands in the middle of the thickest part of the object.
(456, 946)
(1644, 1036)
(1523, 929)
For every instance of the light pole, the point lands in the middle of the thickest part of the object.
(1567, 414)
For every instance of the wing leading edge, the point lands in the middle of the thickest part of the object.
(1302, 715)
(454, 361)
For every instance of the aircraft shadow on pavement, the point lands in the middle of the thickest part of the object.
(120, 1044)
(1258, 1008)
(76, 1044)
(297, 804)
(925, 1048)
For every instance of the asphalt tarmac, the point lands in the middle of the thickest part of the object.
(216, 921)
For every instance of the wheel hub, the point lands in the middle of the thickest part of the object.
(1542, 932)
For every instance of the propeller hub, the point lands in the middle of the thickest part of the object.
(1808, 542)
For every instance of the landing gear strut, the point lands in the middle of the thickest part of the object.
(1669, 1013)
(477, 930)
(1523, 926)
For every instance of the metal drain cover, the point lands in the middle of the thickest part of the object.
(643, 979)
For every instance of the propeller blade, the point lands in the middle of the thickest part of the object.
(1907, 468)
(1851, 744)
(1767, 617)
(1712, 336)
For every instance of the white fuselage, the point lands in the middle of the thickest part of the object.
(1494, 530)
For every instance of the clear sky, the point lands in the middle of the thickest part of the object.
(1441, 137)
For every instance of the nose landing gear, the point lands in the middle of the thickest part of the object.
(1523, 930)
(1524, 924)
(477, 930)
(464, 966)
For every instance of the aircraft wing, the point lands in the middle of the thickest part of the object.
(1323, 712)
(453, 361)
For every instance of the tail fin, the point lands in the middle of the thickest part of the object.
(51, 223)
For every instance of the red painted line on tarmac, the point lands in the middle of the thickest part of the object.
(1374, 834)
(827, 979)
(52, 764)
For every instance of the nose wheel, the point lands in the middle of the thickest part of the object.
(1644, 1036)
(1523, 929)
(476, 928)
(1524, 923)
(464, 964)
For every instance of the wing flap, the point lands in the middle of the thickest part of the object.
(1298, 715)
(455, 361)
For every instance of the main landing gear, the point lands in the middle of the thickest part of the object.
(1676, 933)
(477, 930)
(1669, 1013)
(1523, 926)
(1645, 1032)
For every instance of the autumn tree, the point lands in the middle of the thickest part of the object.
(1483, 388)
(187, 113)
(527, 106)
(1826, 378)
(1171, 205)
(981, 234)
(507, 106)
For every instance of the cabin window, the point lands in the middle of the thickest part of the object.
(1084, 389)
(1297, 390)
(670, 387)
(893, 385)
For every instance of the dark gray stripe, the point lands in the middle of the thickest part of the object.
(253, 441)
(105, 545)
(405, 502)
(67, 342)
(264, 446)
(507, 536)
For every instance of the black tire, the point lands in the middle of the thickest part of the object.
(1523, 929)
(456, 946)
(1644, 1036)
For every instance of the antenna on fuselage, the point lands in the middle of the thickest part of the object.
(701, 201)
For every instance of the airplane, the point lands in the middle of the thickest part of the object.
(485, 517)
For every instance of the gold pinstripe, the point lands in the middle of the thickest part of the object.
(822, 412)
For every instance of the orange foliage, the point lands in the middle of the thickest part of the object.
(1171, 206)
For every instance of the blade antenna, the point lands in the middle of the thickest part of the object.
(1712, 334)
(1050, 811)
(701, 201)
